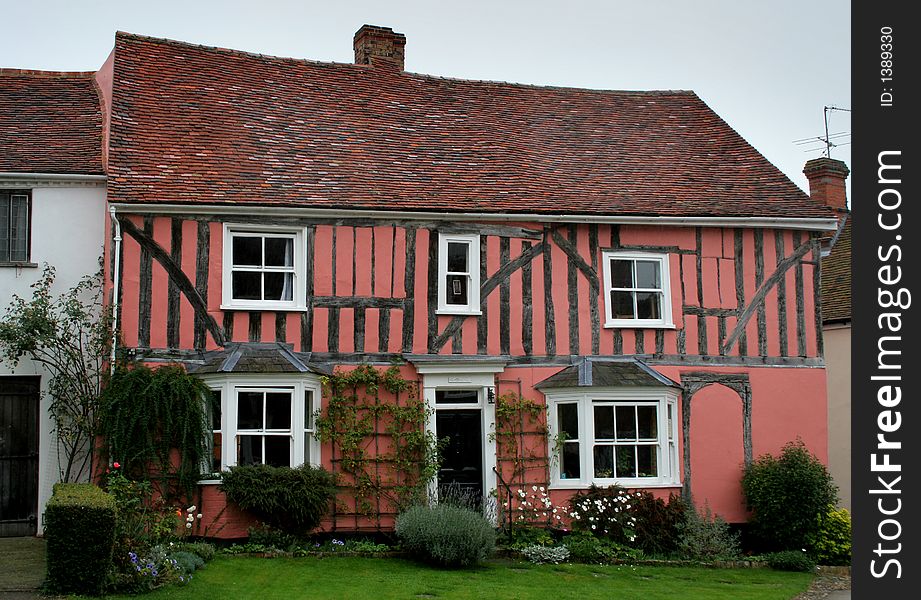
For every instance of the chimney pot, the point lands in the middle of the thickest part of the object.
(826, 181)
(379, 46)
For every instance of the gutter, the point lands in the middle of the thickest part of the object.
(116, 275)
(809, 224)
(53, 177)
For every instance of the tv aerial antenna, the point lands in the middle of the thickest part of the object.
(827, 139)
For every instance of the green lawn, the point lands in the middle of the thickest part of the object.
(230, 578)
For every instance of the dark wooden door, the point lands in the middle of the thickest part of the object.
(19, 406)
(461, 473)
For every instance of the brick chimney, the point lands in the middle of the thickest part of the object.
(379, 46)
(826, 181)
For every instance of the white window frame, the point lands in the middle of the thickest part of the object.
(299, 296)
(9, 229)
(666, 402)
(473, 276)
(665, 308)
(302, 438)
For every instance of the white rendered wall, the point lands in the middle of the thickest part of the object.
(68, 228)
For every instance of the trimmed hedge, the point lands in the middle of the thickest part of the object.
(292, 500)
(80, 538)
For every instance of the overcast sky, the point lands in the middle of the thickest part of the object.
(767, 68)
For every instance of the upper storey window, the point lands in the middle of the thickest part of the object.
(636, 290)
(264, 269)
(14, 226)
(458, 274)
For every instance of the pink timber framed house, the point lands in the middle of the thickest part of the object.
(624, 258)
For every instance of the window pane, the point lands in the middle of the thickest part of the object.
(279, 252)
(604, 423)
(646, 459)
(308, 459)
(604, 461)
(457, 257)
(647, 305)
(670, 428)
(278, 450)
(278, 410)
(569, 465)
(622, 305)
(249, 410)
(626, 461)
(568, 418)
(216, 445)
(19, 229)
(457, 290)
(626, 423)
(247, 286)
(4, 227)
(647, 274)
(249, 449)
(214, 409)
(648, 422)
(279, 286)
(456, 397)
(308, 410)
(247, 251)
(621, 273)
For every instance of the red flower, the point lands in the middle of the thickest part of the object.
(116, 465)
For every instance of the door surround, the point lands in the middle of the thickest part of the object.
(465, 375)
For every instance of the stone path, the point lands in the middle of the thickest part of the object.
(23, 571)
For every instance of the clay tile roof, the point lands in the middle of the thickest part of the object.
(49, 123)
(193, 124)
(836, 278)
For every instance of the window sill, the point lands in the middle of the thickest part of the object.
(263, 307)
(19, 264)
(458, 312)
(209, 482)
(637, 325)
(626, 484)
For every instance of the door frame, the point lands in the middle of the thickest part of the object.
(464, 375)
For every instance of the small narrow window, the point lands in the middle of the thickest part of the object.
(568, 423)
(214, 418)
(459, 274)
(14, 227)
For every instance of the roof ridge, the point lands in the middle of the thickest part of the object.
(48, 74)
(323, 63)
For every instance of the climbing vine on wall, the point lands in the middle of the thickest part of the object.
(521, 447)
(374, 421)
(152, 422)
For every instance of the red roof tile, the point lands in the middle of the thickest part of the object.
(49, 123)
(192, 124)
(836, 278)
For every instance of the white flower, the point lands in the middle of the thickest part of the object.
(188, 525)
(534, 488)
(190, 509)
(198, 515)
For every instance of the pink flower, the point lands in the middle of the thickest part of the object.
(116, 465)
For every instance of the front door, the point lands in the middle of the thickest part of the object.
(460, 476)
(19, 405)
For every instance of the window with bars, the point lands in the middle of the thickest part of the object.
(636, 290)
(14, 226)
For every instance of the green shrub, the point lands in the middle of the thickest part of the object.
(706, 537)
(80, 535)
(791, 560)
(203, 550)
(787, 497)
(188, 561)
(586, 548)
(445, 535)
(546, 554)
(293, 500)
(658, 523)
(522, 537)
(832, 545)
(605, 512)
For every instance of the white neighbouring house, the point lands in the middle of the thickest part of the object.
(52, 210)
